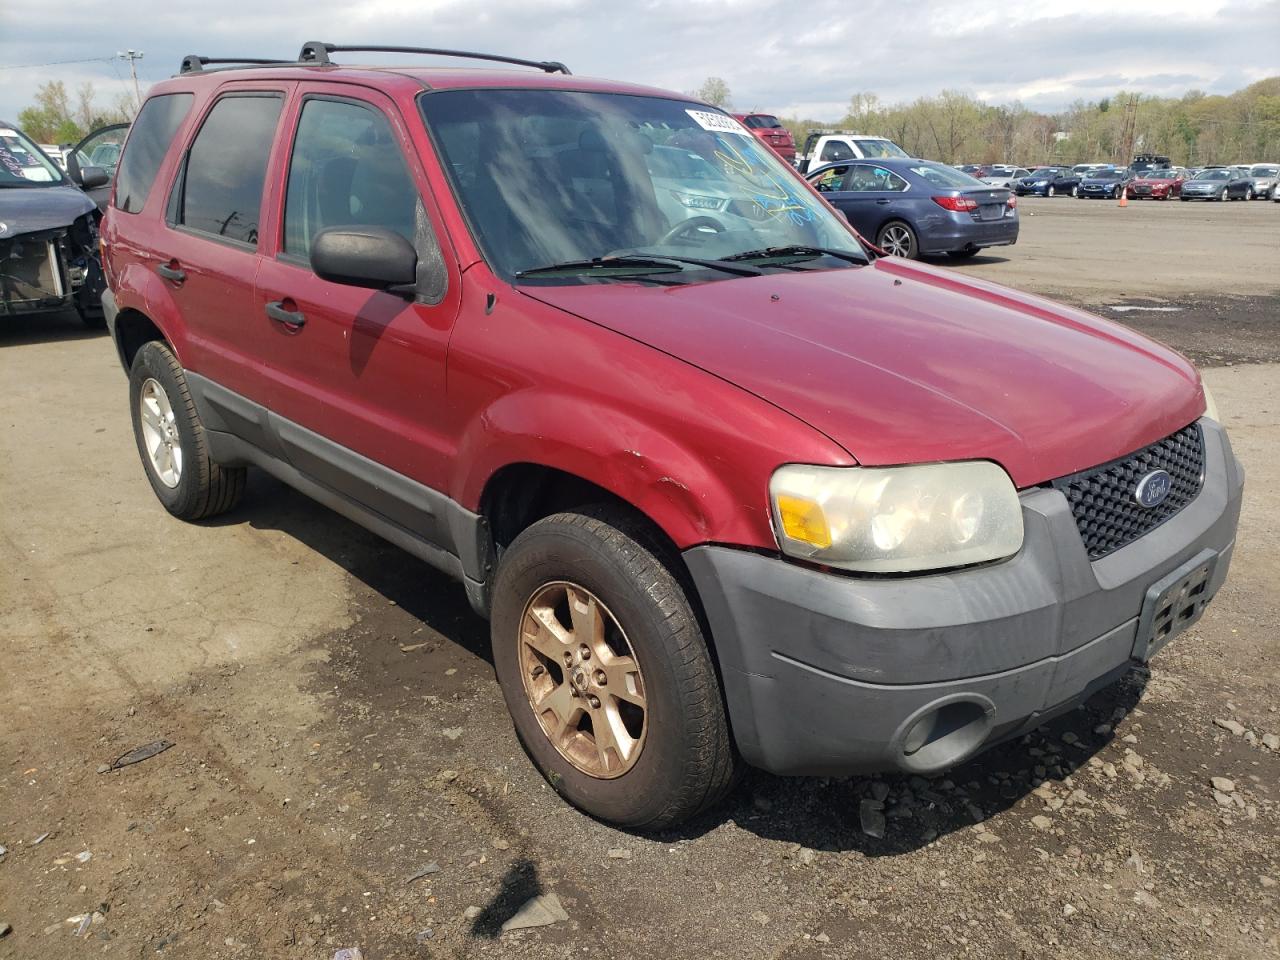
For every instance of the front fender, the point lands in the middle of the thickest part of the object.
(641, 464)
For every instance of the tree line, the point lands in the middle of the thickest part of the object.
(59, 118)
(955, 127)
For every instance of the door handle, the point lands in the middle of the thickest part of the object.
(884, 203)
(170, 271)
(290, 318)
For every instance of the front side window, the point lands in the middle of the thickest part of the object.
(149, 139)
(23, 164)
(221, 189)
(346, 170)
(831, 181)
(548, 177)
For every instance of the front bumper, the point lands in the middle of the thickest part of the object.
(828, 674)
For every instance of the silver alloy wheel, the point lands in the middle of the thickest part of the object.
(896, 240)
(1225, 195)
(1051, 191)
(160, 433)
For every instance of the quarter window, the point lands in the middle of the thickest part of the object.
(346, 169)
(226, 168)
(149, 140)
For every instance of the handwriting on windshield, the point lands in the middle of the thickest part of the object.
(772, 198)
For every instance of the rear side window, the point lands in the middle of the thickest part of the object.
(149, 140)
(221, 189)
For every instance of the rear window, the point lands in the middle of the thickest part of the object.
(946, 177)
(763, 120)
(149, 140)
(221, 191)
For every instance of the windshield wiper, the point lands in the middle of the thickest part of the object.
(618, 265)
(797, 250)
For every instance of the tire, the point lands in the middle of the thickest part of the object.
(1248, 193)
(897, 239)
(684, 760)
(199, 488)
(1225, 195)
(1075, 191)
(1050, 191)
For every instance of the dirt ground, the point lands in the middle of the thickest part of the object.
(337, 727)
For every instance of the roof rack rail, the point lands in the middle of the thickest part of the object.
(194, 63)
(315, 51)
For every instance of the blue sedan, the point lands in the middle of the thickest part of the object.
(910, 208)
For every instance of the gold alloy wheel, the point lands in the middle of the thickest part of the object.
(582, 680)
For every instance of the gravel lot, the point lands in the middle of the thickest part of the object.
(337, 726)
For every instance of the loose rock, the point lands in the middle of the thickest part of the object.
(539, 911)
(871, 814)
(471, 913)
(1231, 726)
(1223, 784)
(618, 853)
(1271, 741)
(453, 733)
(1041, 822)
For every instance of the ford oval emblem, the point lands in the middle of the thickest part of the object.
(1152, 489)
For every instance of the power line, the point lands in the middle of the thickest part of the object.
(53, 63)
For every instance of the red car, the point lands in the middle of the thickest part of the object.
(769, 129)
(729, 485)
(1156, 185)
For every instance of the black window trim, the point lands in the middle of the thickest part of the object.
(186, 117)
(304, 263)
(180, 179)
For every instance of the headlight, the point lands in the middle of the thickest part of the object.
(896, 519)
(1210, 408)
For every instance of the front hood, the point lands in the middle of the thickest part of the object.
(903, 363)
(31, 209)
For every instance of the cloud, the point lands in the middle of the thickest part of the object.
(777, 56)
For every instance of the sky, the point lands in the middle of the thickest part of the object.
(777, 56)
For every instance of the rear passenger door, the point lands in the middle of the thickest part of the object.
(210, 251)
(871, 197)
(362, 371)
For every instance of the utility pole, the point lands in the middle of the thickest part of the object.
(133, 56)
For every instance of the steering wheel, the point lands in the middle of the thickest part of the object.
(693, 223)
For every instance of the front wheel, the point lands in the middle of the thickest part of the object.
(1225, 195)
(898, 240)
(1248, 193)
(1075, 191)
(606, 673)
(1051, 192)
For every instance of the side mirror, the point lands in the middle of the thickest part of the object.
(372, 257)
(91, 177)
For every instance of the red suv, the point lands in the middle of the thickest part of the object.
(729, 484)
(769, 129)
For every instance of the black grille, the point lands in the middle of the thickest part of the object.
(1102, 498)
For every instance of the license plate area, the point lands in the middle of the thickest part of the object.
(1174, 603)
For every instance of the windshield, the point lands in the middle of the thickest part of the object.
(947, 177)
(22, 164)
(552, 178)
(880, 148)
(1264, 170)
(1213, 175)
(1158, 175)
(1105, 175)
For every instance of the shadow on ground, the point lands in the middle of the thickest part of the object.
(28, 328)
(815, 813)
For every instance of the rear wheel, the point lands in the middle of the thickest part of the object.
(171, 440)
(898, 240)
(606, 673)
(1075, 191)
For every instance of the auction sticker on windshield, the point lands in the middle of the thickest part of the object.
(717, 122)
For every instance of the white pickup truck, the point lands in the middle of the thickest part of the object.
(832, 146)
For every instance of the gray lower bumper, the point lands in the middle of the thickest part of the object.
(828, 674)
